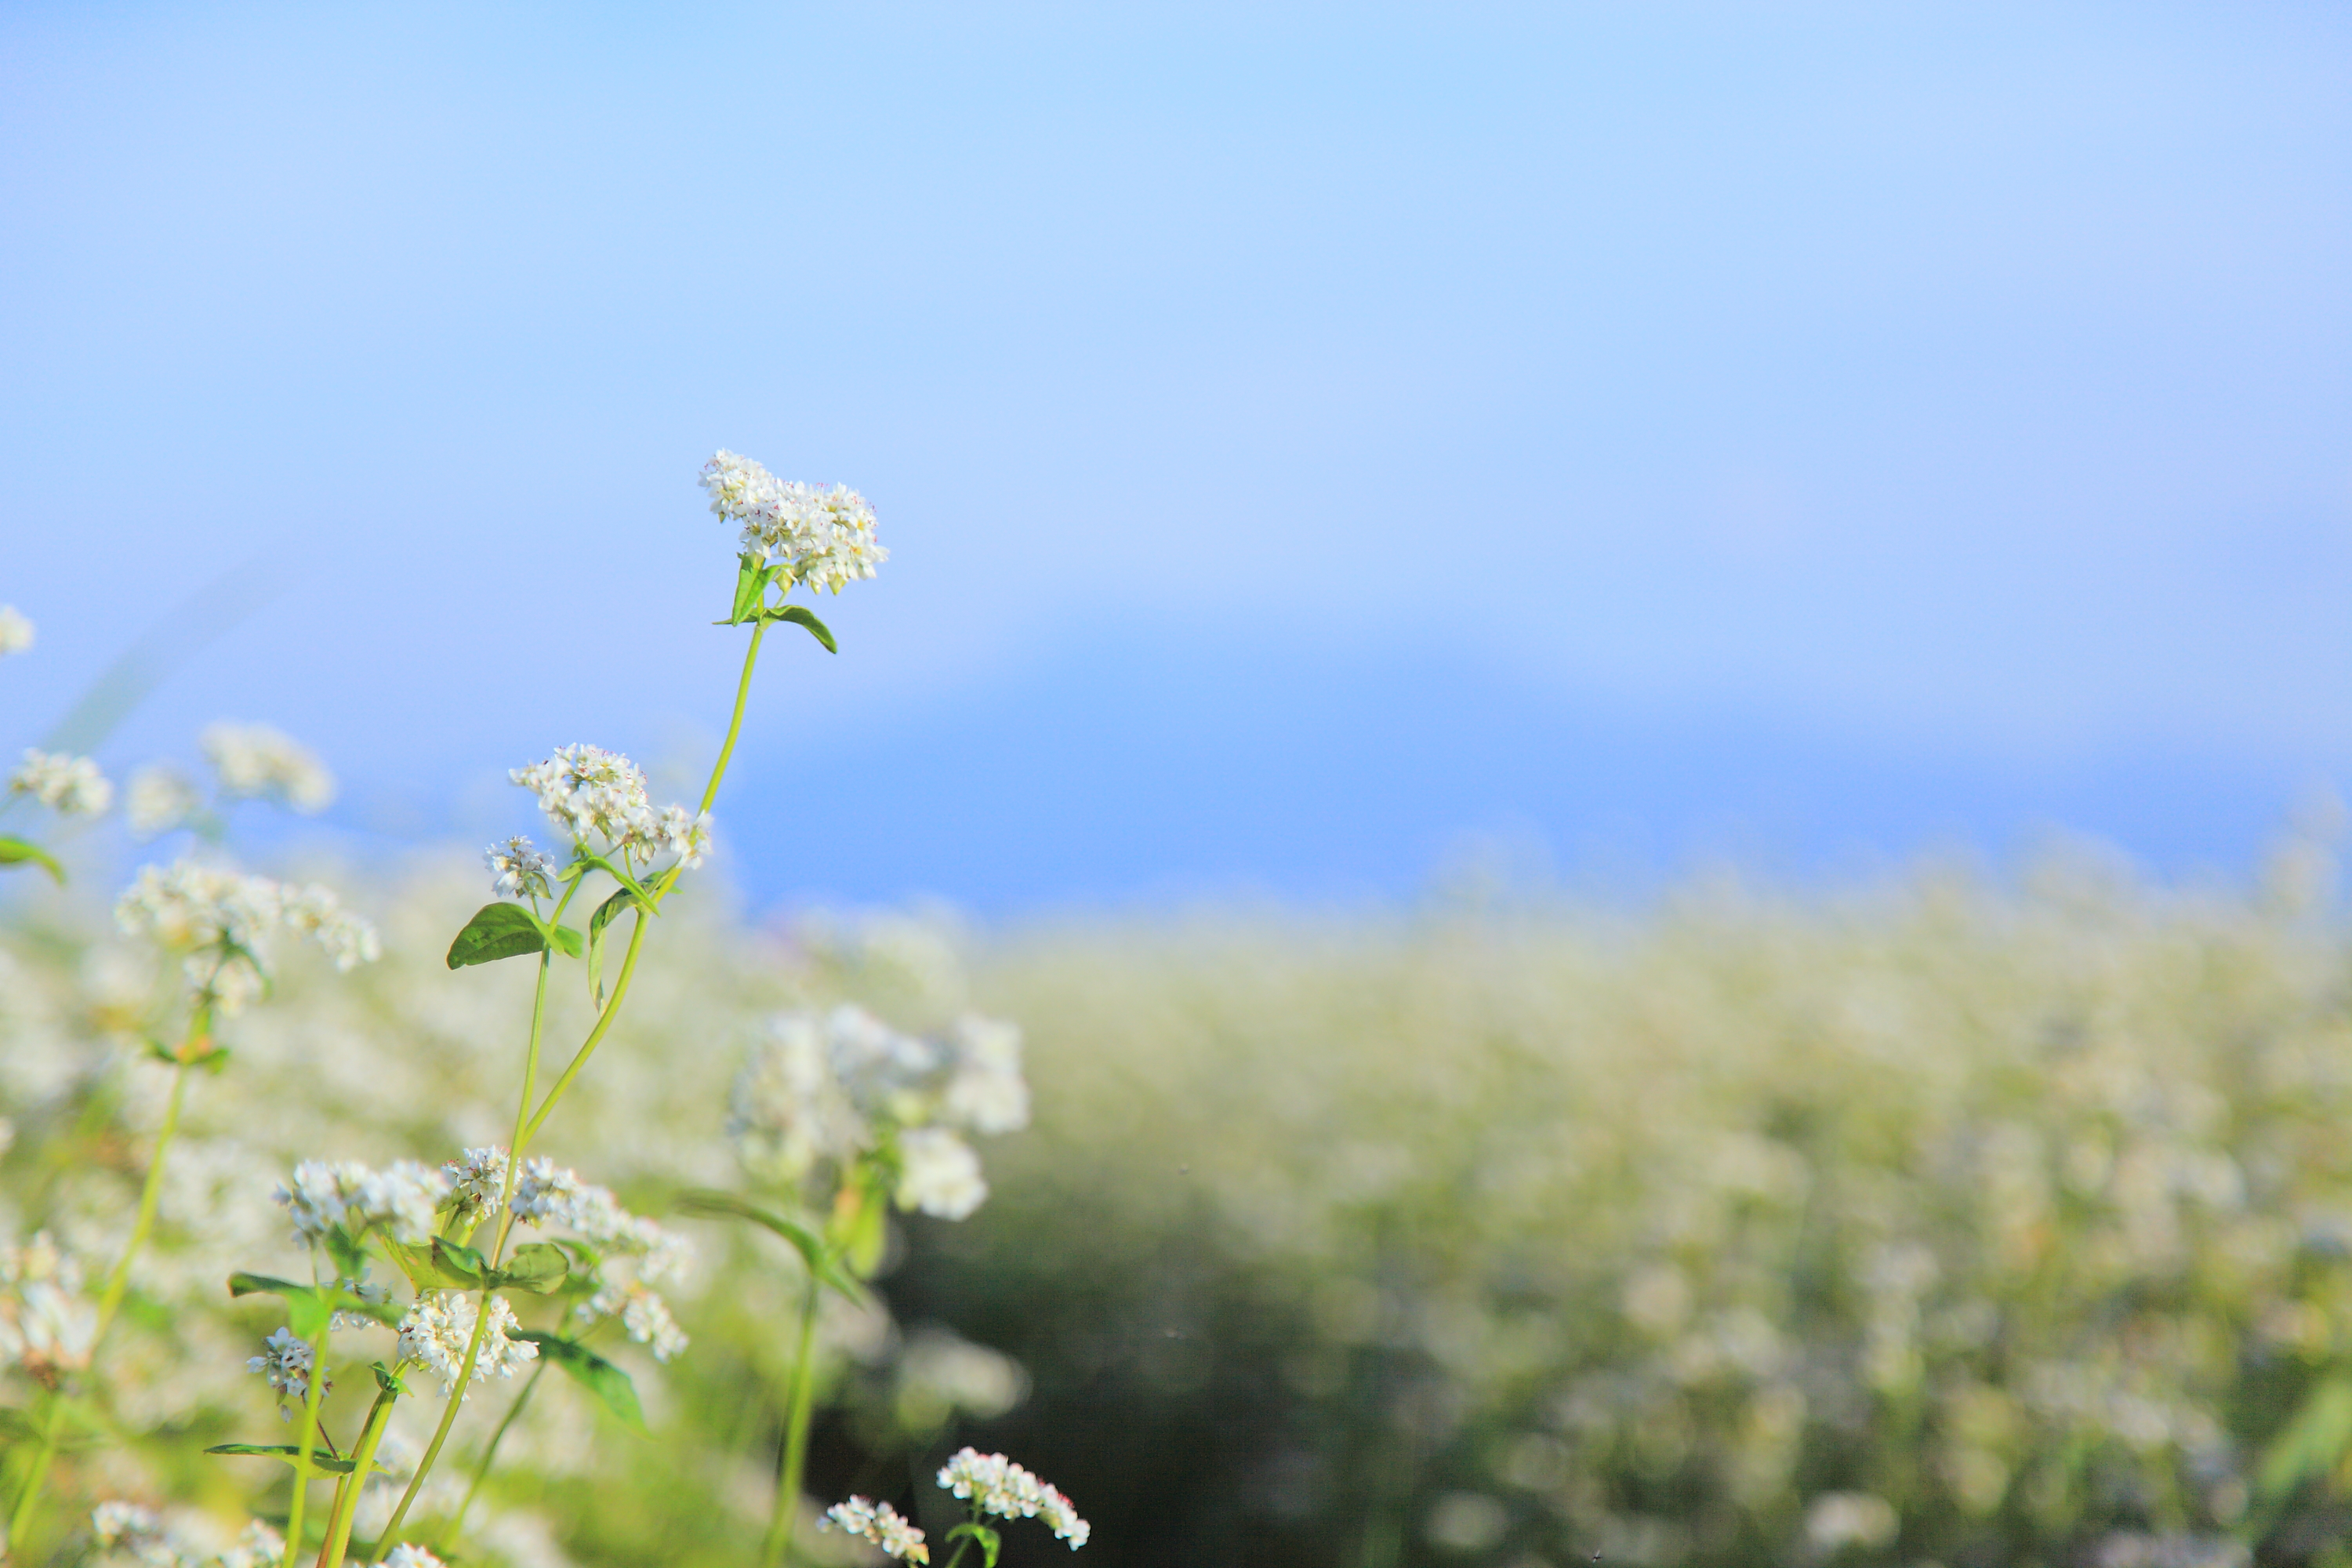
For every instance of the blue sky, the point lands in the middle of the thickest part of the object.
(1308, 436)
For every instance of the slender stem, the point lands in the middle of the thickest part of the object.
(39, 1473)
(311, 1394)
(735, 725)
(440, 1432)
(794, 1457)
(347, 1503)
(482, 1468)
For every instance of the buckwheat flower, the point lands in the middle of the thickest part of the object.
(193, 903)
(519, 869)
(258, 1546)
(477, 1182)
(887, 1074)
(985, 1090)
(399, 1201)
(48, 1326)
(440, 1325)
(643, 1315)
(687, 837)
(938, 1173)
(124, 1524)
(365, 1291)
(68, 785)
(257, 760)
(315, 1198)
(1005, 1489)
(285, 1362)
(407, 1556)
(546, 1194)
(786, 1109)
(314, 912)
(879, 1523)
(823, 537)
(16, 631)
(160, 798)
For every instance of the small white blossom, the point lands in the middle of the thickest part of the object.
(440, 1325)
(222, 917)
(1003, 1488)
(285, 1362)
(160, 798)
(938, 1173)
(548, 1196)
(686, 836)
(519, 870)
(399, 1200)
(478, 1181)
(126, 1527)
(257, 760)
(256, 1546)
(597, 799)
(314, 912)
(643, 1315)
(68, 785)
(879, 1523)
(823, 537)
(407, 1556)
(15, 630)
(373, 1294)
(985, 1090)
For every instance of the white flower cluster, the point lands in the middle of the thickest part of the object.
(477, 1182)
(825, 537)
(399, 1200)
(597, 797)
(48, 1326)
(68, 785)
(285, 1360)
(1003, 1488)
(257, 760)
(548, 1195)
(519, 869)
(440, 1325)
(15, 630)
(160, 798)
(879, 1523)
(829, 1088)
(127, 1532)
(407, 1556)
(222, 917)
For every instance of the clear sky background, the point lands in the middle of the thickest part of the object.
(1308, 436)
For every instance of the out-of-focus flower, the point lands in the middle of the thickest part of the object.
(314, 912)
(985, 1091)
(823, 537)
(879, 1523)
(440, 1325)
(1007, 1490)
(256, 1546)
(938, 1173)
(407, 1556)
(399, 1200)
(221, 917)
(940, 1375)
(257, 760)
(46, 1325)
(160, 798)
(519, 870)
(15, 630)
(1837, 1520)
(645, 1316)
(68, 785)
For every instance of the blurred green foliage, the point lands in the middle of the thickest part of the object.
(1943, 1223)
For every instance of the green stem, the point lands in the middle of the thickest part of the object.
(316, 1388)
(347, 1506)
(735, 725)
(440, 1432)
(118, 1280)
(794, 1457)
(490, 1452)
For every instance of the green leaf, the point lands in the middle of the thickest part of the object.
(2313, 1443)
(600, 1377)
(536, 1267)
(306, 1308)
(820, 1260)
(750, 585)
(424, 1270)
(456, 1261)
(566, 940)
(628, 883)
(291, 1453)
(385, 1381)
(20, 851)
(606, 913)
(496, 931)
(990, 1542)
(800, 618)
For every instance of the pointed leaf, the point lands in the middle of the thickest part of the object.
(290, 1453)
(821, 1261)
(496, 931)
(606, 913)
(306, 1308)
(20, 852)
(608, 1383)
(990, 1542)
(456, 1261)
(800, 618)
(536, 1267)
(628, 883)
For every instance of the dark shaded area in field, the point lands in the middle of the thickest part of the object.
(1125, 770)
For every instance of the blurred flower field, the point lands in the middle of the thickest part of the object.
(1940, 1223)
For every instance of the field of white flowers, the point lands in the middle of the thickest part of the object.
(1952, 1222)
